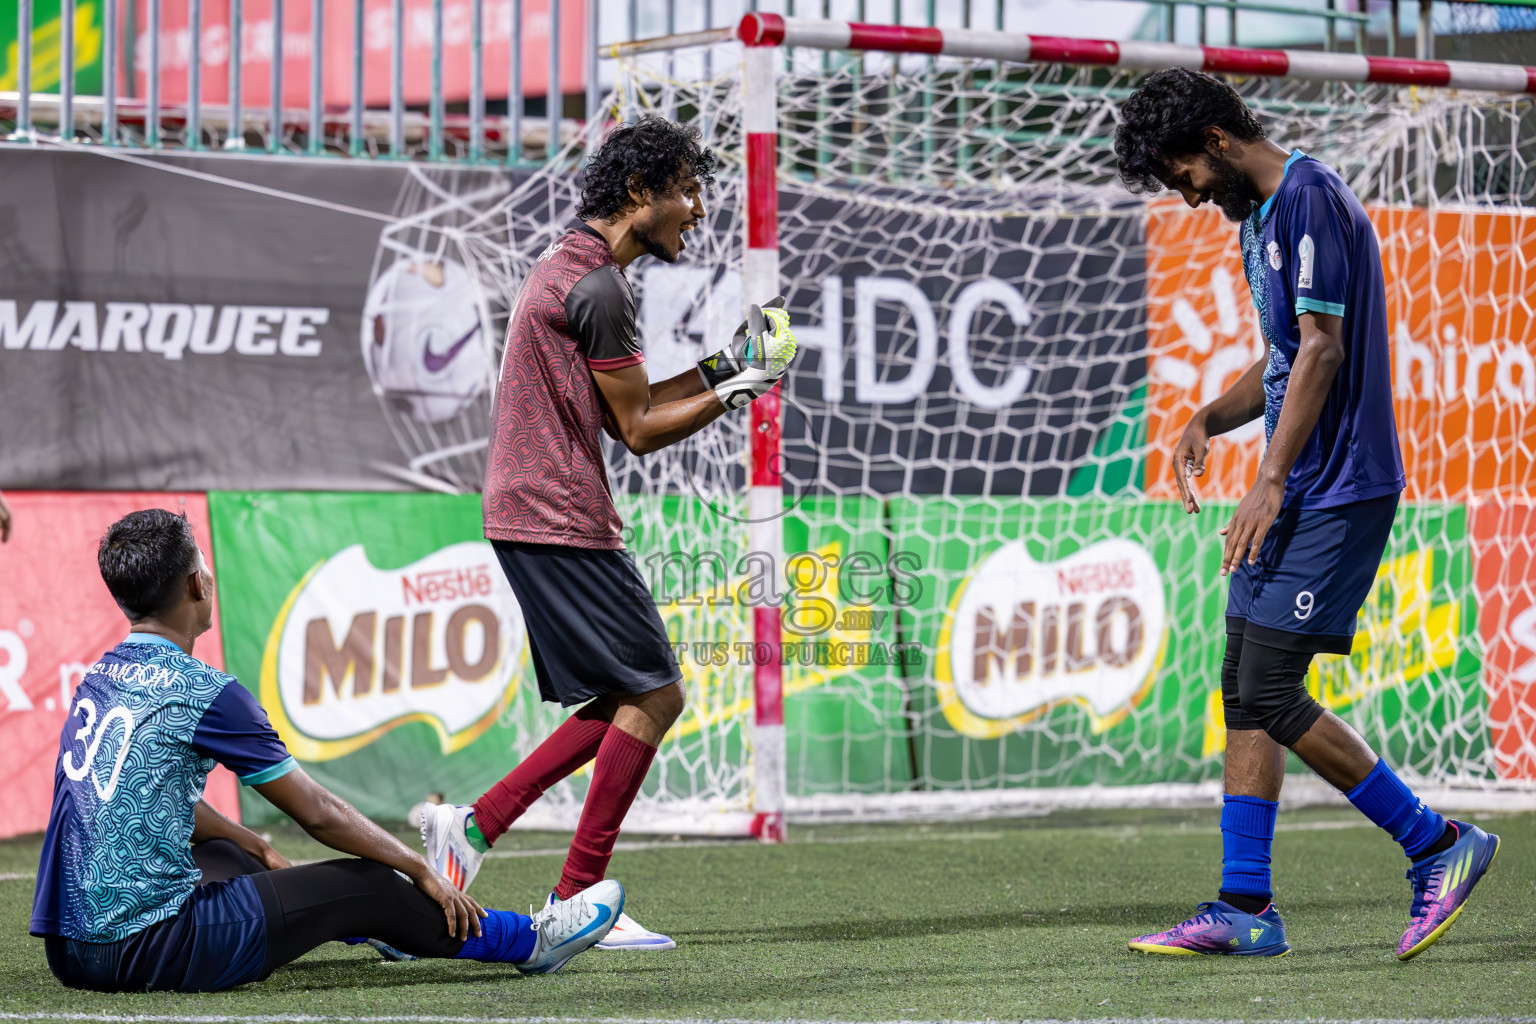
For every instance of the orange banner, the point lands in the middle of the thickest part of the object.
(56, 619)
(1504, 554)
(1463, 336)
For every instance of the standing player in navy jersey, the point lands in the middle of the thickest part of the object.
(143, 886)
(573, 368)
(1304, 545)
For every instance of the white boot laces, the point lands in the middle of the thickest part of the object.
(561, 914)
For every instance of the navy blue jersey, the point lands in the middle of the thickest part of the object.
(146, 726)
(1311, 248)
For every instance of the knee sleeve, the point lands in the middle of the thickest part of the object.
(1236, 718)
(1271, 686)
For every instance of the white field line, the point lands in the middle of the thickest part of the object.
(297, 1018)
(1119, 832)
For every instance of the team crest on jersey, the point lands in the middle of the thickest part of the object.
(1274, 255)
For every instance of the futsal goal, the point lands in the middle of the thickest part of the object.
(942, 573)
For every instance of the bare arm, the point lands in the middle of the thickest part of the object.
(5, 519)
(1239, 404)
(1242, 403)
(1318, 359)
(645, 425)
(687, 384)
(339, 825)
(208, 823)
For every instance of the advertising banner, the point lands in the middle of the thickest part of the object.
(56, 619)
(340, 47)
(1464, 371)
(47, 39)
(959, 352)
(381, 637)
(1081, 642)
(1504, 548)
(159, 331)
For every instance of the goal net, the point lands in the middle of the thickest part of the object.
(989, 600)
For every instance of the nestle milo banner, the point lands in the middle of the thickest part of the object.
(1081, 642)
(389, 652)
(379, 634)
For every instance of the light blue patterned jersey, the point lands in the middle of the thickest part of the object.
(146, 726)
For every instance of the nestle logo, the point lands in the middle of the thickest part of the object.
(441, 585)
(1096, 577)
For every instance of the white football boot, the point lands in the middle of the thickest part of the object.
(630, 934)
(448, 848)
(567, 927)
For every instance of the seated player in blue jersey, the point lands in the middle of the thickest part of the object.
(1304, 544)
(143, 886)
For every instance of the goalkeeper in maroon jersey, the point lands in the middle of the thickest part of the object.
(572, 368)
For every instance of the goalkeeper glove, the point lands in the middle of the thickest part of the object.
(758, 356)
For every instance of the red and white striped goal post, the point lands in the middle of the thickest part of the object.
(762, 35)
(777, 30)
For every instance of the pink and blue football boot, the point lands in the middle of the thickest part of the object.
(1442, 885)
(1220, 929)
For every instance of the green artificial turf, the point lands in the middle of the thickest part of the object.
(1002, 919)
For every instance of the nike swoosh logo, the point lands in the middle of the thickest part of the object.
(603, 914)
(436, 363)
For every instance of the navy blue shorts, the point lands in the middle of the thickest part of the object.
(593, 627)
(1315, 569)
(217, 940)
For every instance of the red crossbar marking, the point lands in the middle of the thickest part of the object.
(1530, 79)
(1246, 62)
(759, 29)
(1056, 50)
(895, 38)
(763, 190)
(1409, 72)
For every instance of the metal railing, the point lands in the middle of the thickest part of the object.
(475, 124)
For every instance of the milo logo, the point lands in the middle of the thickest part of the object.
(1023, 636)
(356, 651)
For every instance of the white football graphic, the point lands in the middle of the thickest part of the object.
(424, 341)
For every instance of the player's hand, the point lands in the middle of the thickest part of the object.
(5, 520)
(460, 909)
(272, 860)
(1189, 461)
(736, 356)
(1250, 524)
(770, 348)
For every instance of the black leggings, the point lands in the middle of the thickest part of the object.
(334, 899)
(303, 907)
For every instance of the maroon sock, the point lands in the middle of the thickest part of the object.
(622, 762)
(568, 748)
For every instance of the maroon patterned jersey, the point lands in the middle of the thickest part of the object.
(545, 482)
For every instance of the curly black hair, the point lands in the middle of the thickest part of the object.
(1167, 117)
(649, 156)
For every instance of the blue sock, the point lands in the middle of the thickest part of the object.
(1384, 799)
(505, 938)
(1247, 830)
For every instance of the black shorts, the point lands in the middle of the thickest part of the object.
(593, 627)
